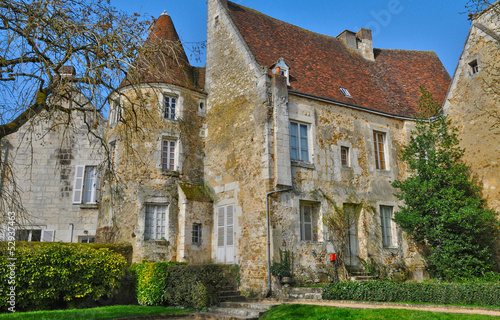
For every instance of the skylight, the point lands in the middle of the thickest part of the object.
(345, 92)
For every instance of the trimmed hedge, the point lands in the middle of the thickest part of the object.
(175, 284)
(58, 275)
(151, 281)
(481, 294)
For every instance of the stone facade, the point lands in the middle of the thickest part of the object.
(473, 102)
(43, 158)
(252, 152)
(141, 180)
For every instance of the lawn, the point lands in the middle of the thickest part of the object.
(113, 312)
(308, 312)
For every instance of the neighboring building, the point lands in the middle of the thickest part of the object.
(473, 101)
(54, 169)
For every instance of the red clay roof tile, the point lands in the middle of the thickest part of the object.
(320, 65)
(167, 61)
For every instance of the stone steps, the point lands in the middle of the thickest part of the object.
(305, 293)
(230, 310)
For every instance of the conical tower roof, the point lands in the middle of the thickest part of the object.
(163, 59)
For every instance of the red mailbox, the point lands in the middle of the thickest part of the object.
(333, 257)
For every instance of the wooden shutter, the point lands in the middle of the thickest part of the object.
(78, 185)
(48, 235)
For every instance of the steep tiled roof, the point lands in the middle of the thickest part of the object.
(166, 60)
(320, 65)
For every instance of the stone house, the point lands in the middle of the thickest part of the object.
(305, 120)
(241, 160)
(473, 101)
(51, 171)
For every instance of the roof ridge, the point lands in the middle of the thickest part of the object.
(283, 22)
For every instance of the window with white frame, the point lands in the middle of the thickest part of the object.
(85, 190)
(86, 239)
(168, 155)
(115, 112)
(299, 141)
(387, 226)
(35, 235)
(308, 222)
(196, 233)
(156, 221)
(169, 107)
(344, 156)
(379, 149)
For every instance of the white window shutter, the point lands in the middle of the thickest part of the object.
(78, 185)
(97, 185)
(48, 235)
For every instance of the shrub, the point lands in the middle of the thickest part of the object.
(170, 283)
(58, 275)
(284, 267)
(481, 294)
(196, 286)
(151, 282)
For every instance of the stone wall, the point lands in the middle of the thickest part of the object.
(324, 181)
(43, 156)
(138, 179)
(237, 145)
(473, 103)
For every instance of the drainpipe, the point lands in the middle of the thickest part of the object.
(268, 236)
(71, 227)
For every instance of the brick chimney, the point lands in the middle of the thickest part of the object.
(365, 43)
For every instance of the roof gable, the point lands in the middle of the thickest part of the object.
(320, 65)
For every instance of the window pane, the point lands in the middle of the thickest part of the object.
(155, 222)
(22, 235)
(386, 221)
(304, 145)
(294, 142)
(89, 192)
(36, 235)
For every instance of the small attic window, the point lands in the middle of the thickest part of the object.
(474, 67)
(282, 68)
(345, 92)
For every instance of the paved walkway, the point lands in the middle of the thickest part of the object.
(387, 305)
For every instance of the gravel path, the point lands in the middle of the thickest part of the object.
(386, 305)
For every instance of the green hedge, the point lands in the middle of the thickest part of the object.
(58, 275)
(481, 294)
(174, 284)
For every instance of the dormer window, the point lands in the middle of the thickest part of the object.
(282, 68)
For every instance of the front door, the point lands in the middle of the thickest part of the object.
(225, 234)
(351, 254)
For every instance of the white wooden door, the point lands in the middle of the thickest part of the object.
(225, 234)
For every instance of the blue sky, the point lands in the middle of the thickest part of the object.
(396, 24)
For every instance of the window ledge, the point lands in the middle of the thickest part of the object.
(89, 206)
(303, 164)
(170, 173)
(158, 242)
(391, 247)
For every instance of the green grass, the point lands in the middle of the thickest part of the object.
(309, 312)
(113, 312)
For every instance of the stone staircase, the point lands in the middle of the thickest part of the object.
(232, 310)
(304, 293)
(358, 274)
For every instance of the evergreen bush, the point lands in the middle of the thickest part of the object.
(58, 275)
